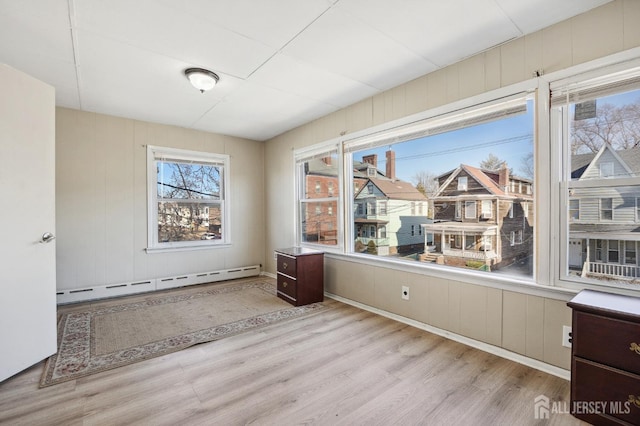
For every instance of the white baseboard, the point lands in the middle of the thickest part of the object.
(486, 347)
(122, 289)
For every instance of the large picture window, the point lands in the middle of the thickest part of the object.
(318, 195)
(187, 198)
(443, 176)
(597, 121)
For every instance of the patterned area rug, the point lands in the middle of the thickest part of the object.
(102, 338)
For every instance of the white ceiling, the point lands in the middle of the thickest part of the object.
(281, 63)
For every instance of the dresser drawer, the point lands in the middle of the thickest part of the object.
(608, 341)
(606, 391)
(287, 287)
(287, 265)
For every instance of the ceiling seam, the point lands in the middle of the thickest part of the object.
(281, 48)
(74, 47)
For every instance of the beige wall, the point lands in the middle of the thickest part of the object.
(526, 324)
(101, 189)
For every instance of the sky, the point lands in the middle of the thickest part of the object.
(508, 139)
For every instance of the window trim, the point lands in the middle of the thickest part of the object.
(153, 154)
(608, 71)
(308, 153)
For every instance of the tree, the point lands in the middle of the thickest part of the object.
(618, 126)
(526, 165)
(492, 163)
(425, 182)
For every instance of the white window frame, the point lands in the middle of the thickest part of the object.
(606, 73)
(487, 209)
(468, 209)
(602, 209)
(606, 169)
(300, 156)
(463, 183)
(157, 153)
(577, 201)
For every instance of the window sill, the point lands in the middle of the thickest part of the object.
(152, 250)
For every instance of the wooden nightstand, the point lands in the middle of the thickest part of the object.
(605, 364)
(300, 275)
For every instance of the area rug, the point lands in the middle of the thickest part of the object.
(103, 338)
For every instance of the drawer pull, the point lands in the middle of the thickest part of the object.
(635, 347)
(635, 400)
(284, 265)
(284, 284)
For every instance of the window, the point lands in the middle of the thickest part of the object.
(469, 209)
(317, 223)
(462, 183)
(606, 169)
(383, 208)
(451, 149)
(574, 210)
(630, 252)
(510, 210)
(188, 199)
(596, 122)
(486, 209)
(606, 209)
(614, 251)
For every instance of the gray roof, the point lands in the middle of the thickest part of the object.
(580, 162)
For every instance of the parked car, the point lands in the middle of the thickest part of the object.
(210, 236)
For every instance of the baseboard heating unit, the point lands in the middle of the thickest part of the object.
(141, 286)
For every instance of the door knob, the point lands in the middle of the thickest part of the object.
(47, 237)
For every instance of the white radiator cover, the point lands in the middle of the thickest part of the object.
(141, 286)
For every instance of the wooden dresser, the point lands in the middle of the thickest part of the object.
(605, 365)
(300, 275)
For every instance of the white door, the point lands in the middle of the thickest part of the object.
(575, 253)
(27, 211)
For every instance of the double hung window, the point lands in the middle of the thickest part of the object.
(317, 184)
(188, 199)
(596, 119)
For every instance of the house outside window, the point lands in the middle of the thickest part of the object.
(188, 199)
(461, 184)
(600, 177)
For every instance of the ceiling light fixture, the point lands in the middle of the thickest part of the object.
(201, 79)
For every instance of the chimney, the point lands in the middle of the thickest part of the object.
(371, 159)
(503, 176)
(391, 165)
(327, 160)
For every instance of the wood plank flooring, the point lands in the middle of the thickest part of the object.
(344, 366)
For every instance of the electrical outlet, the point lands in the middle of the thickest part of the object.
(566, 336)
(405, 292)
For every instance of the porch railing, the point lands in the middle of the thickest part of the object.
(611, 270)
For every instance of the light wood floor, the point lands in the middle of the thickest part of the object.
(344, 366)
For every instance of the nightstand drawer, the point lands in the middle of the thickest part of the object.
(608, 341)
(287, 286)
(616, 392)
(287, 265)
